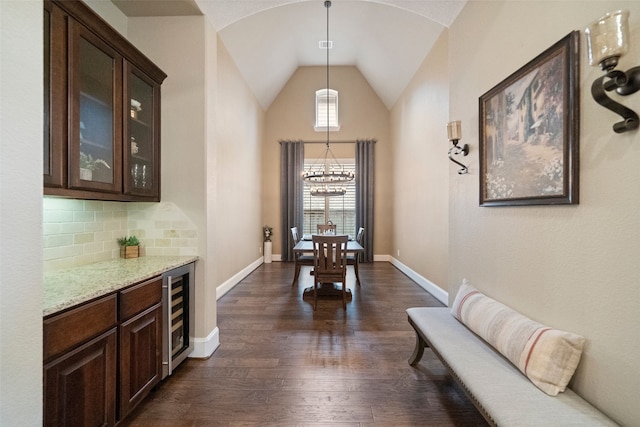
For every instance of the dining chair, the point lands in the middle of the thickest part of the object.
(330, 264)
(354, 259)
(299, 258)
(326, 228)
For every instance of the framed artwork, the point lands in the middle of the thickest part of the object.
(529, 130)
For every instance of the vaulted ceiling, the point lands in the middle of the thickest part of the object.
(386, 40)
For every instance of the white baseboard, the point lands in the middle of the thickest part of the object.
(204, 347)
(439, 293)
(236, 278)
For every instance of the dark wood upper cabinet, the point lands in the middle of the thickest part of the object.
(55, 96)
(95, 122)
(142, 127)
(102, 110)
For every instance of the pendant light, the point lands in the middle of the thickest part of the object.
(327, 177)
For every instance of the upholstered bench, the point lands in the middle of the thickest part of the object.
(500, 391)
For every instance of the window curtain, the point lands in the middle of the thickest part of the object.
(291, 166)
(365, 164)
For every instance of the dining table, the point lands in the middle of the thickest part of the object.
(305, 246)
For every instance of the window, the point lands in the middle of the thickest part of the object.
(340, 210)
(327, 108)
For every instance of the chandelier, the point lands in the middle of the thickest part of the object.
(326, 177)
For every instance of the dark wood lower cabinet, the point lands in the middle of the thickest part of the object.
(80, 386)
(103, 357)
(140, 358)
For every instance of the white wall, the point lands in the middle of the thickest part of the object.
(20, 213)
(571, 267)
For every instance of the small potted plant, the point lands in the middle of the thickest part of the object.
(267, 233)
(129, 247)
(88, 164)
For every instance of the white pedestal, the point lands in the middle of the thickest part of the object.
(267, 252)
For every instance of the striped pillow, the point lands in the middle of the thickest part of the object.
(548, 357)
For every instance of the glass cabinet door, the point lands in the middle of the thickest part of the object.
(141, 134)
(96, 121)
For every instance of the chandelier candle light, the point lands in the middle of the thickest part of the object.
(326, 178)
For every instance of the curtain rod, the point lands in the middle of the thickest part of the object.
(331, 142)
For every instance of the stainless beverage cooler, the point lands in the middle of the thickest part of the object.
(177, 317)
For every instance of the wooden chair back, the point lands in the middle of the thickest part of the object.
(305, 258)
(326, 228)
(330, 264)
(330, 258)
(294, 235)
(354, 259)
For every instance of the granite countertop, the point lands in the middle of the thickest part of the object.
(65, 288)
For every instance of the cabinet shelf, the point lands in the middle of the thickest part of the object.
(139, 122)
(94, 99)
(141, 158)
(93, 144)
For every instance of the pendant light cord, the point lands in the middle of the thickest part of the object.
(327, 4)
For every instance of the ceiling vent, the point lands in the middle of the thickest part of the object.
(326, 44)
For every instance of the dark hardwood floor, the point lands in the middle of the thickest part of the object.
(281, 363)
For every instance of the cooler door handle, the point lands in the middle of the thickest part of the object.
(167, 295)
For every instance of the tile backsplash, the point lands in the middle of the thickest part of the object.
(79, 232)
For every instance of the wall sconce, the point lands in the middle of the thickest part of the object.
(607, 41)
(454, 133)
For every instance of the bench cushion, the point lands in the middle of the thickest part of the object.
(495, 384)
(548, 357)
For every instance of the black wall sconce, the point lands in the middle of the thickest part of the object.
(607, 41)
(454, 133)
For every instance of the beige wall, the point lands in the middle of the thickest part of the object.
(211, 154)
(183, 150)
(362, 115)
(571, 267)
(110, 13)
(239, 163)
(20, 213)
(421, 170)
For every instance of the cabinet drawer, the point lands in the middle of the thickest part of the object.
(69, 329)
(138, 298)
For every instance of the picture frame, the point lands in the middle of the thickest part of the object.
(529, 131)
